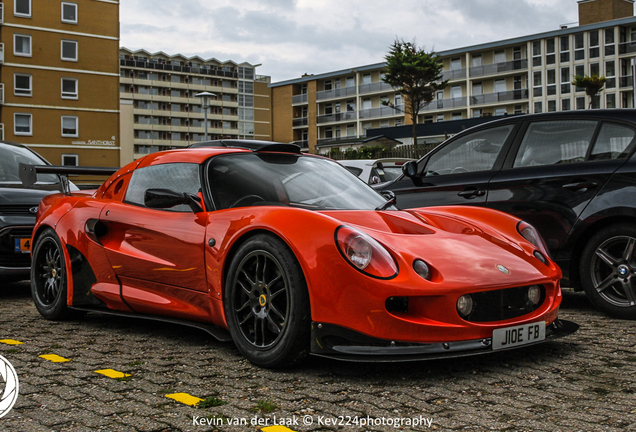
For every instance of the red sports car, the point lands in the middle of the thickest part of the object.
(288, 254)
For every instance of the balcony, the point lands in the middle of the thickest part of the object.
(300, 121)
(627, 47)
(175, 68)
(336, 93)
(338, 117)
(383, 111)
(453, 74)
(445, 104)
(497, 68)
(299, 99)
(505, 96)
(374, 87)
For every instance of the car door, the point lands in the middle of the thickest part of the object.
(458, 171)
(154, 249)
(555, 168)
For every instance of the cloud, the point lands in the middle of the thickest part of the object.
(292, 37)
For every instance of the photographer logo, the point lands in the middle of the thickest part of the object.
(9, 386)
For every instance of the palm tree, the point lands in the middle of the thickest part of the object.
(592, 85)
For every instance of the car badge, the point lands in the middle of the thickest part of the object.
(33, 210)
(503, 269)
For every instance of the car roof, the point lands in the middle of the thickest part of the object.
(625, 114)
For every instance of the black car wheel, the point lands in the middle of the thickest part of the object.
(267, 303)
(608, 270)
(48, 277)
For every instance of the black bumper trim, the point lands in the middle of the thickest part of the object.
(331, 341)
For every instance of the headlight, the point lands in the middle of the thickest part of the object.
(365, 254)
(529, 233)
(465, 305)
(422, 269)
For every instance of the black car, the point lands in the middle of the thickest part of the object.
(570, 174)
(18, 207)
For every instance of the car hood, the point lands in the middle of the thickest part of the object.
(465, 250)
(19, 196)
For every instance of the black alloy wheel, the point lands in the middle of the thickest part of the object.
(48, 277)
(267, 304)
(608, 270)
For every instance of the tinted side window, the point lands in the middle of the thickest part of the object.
(613, 142)
(354, 170)
(474, 152)
(179, 177)
(555, 142)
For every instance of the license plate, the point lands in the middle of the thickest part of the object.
(22, 245)
(518, 335)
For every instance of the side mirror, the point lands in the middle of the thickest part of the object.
(167, 198)
(410, 169)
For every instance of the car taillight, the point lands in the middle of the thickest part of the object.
(530, 233)
(365, 254)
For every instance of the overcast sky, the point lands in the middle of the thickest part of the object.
(292, 37)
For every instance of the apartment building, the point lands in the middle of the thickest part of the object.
(59, 76)
(160, 104)
(529, 74)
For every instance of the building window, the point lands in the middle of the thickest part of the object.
(70, 160)
(552, 105)
(550, 48)
(477, 60)
(594, 44)
(500, 56)
(610, 48)
(538, 107)
(536, 53)
(551, 82)
(579, 70)
(518, 109)
(579, 46)
(351, 105)
(70, 126)
(500, 86)
(22, 85)
(477, 113)
(456, 63)
(565, 105)
(565, 80)
(22, 8)
(610, 74)
(23, 124)
(536, 84)
(500, 111)
(456, 92)
(610, 100)
(580, 103)
(328, 85)
(440, 118)
(69, 13)
(595, 69)
(565, 49)
(69, 88)
(69, 50)
(366, 78)
(456, 116)
(22, 45)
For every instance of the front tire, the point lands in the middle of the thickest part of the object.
(267, 303)
(608, 270)
(49, 278)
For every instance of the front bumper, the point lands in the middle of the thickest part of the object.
(331, 341)
(12, 264)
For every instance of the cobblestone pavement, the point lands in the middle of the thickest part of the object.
(585, 382)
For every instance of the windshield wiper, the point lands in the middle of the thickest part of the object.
(390, 196)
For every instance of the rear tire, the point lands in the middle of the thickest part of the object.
(49, 278)
(608, 270)
(267, 303)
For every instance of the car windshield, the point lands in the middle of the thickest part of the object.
(238, 180)
(10, 159)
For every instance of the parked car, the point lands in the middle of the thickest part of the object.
(374, 171)
(572, 175)
(18, 206)
(293, 254)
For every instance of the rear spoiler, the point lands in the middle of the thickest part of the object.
(29, 173)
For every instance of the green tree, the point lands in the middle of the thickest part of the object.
(593, 85)
(414, 73)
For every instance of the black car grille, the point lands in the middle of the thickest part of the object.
(8, 256)
(502, 304)
(16, 210)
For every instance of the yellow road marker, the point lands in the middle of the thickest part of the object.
(54, 358)
(276, 429)
(184, 398)
(110, 373)
(11, 342)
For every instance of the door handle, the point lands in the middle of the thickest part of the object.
(577, 186)
(472, 193)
